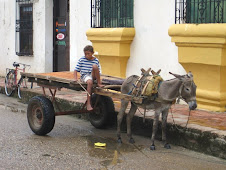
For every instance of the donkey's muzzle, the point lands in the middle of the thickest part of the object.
(192, 105)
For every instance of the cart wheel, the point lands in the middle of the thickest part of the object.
(103, 110)
(40, 115)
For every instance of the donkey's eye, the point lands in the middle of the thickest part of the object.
(187, 89)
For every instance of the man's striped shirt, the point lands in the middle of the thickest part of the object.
(85, 66)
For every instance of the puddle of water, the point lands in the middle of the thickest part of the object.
(115, 160)
(11, 108)
(111, 153)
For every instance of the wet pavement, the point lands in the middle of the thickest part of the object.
(70, 145)
(201, 120)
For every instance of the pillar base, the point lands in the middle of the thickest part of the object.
(113, 47)
(202, 50)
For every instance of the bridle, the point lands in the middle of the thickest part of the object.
(181, 88)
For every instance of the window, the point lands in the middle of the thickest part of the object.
(112, 13)
(200, 11)
(24, 28)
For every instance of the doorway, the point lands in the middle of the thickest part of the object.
(61, 40)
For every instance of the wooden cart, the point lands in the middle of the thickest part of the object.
(41, 113)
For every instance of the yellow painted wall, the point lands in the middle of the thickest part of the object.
(113, 47)
(202, 50)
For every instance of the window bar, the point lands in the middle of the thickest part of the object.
(197, 12)
(214, 12)
(95, 15)
(183, 11)
(210, 19)
(104, 9)
(179, 14)
(98, 13)
(218, 11)
(193, 16)
(206, 11)
(126, 13)
(91, 13)
(175, 11)
(117, 9)
(222, 14)
(111, 11)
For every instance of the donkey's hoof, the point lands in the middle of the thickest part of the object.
(152, 147)
(167, 146)
(119, 140)
(131, 140)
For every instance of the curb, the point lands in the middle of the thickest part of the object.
(193, 139)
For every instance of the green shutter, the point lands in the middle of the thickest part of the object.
(116, 13)
(205, 11)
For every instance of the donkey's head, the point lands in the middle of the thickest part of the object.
(187, 90)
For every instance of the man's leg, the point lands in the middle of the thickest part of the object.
(96, 75)
(89, 89)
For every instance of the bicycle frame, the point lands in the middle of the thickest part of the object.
(15, 71)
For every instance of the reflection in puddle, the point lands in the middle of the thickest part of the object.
(111, 153)
(115, 160)
(11, 108)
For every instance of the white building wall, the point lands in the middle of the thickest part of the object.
(79, 23)
(7, 31)
(151, 47)
(41, 61)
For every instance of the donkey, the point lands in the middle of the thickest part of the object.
(181, 87)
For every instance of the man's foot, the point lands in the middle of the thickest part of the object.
(89, 108)
(100, 85)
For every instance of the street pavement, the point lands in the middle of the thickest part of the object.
(206, 130)
(70, 145)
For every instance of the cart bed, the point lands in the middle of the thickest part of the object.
(65, 79)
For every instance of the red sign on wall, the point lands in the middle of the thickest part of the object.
(60, 36)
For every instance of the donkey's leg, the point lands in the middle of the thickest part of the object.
(129, 118)
(154, 129)
(164, 121)
(124, 105)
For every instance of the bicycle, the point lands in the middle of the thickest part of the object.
(11, 83)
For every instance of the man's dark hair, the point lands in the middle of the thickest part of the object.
(88, 48)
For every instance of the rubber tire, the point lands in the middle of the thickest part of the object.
(105, 107)
(19, 84)
(48, 115)
(12, 88)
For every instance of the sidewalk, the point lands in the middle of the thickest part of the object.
(206, 130)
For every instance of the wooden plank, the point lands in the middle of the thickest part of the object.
(111, 77)
(47, 76)
(116, 94)
(57, 81)
(67, 77)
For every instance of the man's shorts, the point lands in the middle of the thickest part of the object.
(86, 78)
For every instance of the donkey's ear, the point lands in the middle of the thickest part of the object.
(177, 76)
(190, 75)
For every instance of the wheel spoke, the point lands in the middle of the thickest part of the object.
(9, 83)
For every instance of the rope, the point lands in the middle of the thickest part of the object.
(185, 128)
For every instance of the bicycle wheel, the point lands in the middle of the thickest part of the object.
(23, 83)
(9, 83)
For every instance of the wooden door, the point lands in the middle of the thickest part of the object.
(61, 43)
